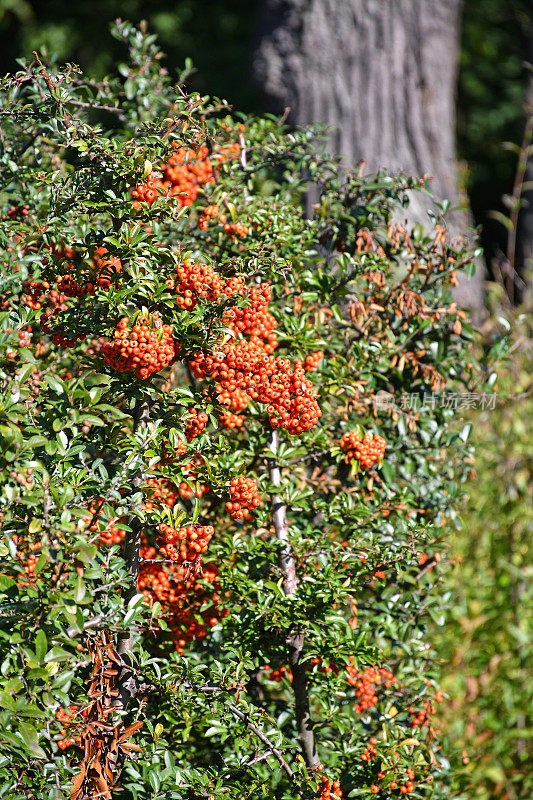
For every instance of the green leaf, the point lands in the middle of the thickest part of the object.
(30, 737)
(41, 645)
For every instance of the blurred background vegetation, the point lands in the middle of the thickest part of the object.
(217, 36)
(486, 646)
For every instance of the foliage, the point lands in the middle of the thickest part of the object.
(492, 92)
(491, 81)
(79, 34)
(487, 644)
(224, 513)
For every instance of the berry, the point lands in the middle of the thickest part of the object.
(244, 498)
(368, 451)
(145, 348)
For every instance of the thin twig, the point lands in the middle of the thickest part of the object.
(260, 735)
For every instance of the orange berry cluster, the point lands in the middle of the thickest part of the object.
(209, 212)
(106, 270)
(277, 674)
(253, 319)
(245, 369)
(311, 362)
(196, 424)
(27, 560)
(289, 395)
(198, 281)
(191, 471)
(182, 597)
(422, 717)
(111, 534)
(231, 228)
(33, 292)
(18, 211)
(368, 451)
(329, 790)
(183, 173)
(229, 420)
(325, 668)
(406, 788)
(366, 683)
(370, 751)
(145, 348)
(70, 719)
(236, 229)
(244, 497)
(187, 491)
(192, 541)
(236, 399)
(159, 491)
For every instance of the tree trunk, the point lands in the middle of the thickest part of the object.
(383, 74)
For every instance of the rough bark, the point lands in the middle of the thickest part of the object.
(382, 74)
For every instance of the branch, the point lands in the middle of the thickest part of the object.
(260, 735)
(126, 681)
(295, 641)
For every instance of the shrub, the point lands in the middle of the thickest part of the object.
(486, 645)
(224, 512)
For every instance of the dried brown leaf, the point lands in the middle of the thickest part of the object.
(130, 730)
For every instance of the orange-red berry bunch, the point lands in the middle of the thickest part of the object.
(183, 173)
(159, 491)
(289, 395)
(70, 719)
(370, 751)
(231, 228)
(106, 270)
(209, 212)
(236, 229)
(28, 554)
(229, 420)
(422, 717)
(253, 319)
(325, 668)
(367, 451)
(329, 790)
(277, 674)
(33, 293)
(244, 497)
(197, 422)
(366, 684)
(181, 595)
(311, 362)
(186, 544)
(198, 281)
(245, 369)
(191, 471)
(144, 348)
(110, 534)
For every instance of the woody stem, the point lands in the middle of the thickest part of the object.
(295, 640)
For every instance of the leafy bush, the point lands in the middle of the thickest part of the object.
(224, 508)
(487, 643)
